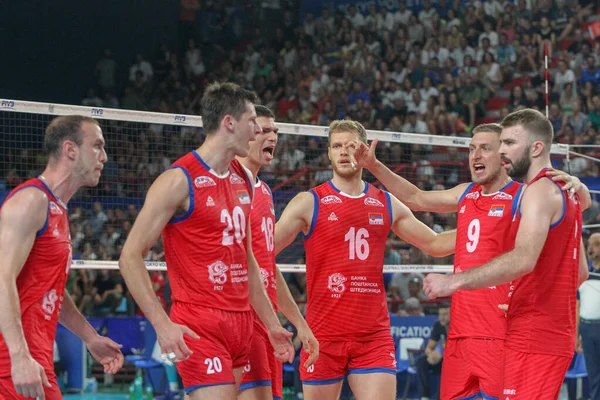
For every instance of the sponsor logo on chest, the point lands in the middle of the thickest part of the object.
(235, 179)
(369, 201)
(204, 182)
(331, 199)
(502, 196)
(473, 196)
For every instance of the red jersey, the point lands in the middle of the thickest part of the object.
(541, 316)
(262, 221)
(344, 264)
(483, 233)
(41, 282)
(205, 249)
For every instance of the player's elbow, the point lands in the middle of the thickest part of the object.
(525, 263)
(438, 247)
(128, 257)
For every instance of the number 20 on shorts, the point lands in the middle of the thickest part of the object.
(214, 365)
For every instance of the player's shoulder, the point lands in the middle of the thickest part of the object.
(27, 197)
(27, 207)
(543, 185)
(325, 186)
(189, 158)
(543, 192)
(174, 176)
(174, 184)
(305, 198)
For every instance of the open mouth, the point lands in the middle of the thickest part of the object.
(478, 167)
(268, 151)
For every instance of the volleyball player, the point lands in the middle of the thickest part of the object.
(263, 376)
(202, 206)
(545, 263)
(485, 207)
(346, 223)
(35, 249)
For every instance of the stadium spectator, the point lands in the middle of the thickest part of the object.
(432, 360)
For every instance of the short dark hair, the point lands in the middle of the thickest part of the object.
(221, 99)
(263, 111)
(496, 128)
(535, 124)
(444, 305)
(66, 127)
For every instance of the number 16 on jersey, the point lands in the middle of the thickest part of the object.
(359, 247)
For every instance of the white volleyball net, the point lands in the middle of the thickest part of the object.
(141, 145)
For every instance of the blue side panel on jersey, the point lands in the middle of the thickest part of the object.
(315, 214)
(190, 193)
(564, 196)
(516, 203)
(389, 206)
(43, 230)
(466, 191)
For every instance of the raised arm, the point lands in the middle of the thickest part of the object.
(409, 194)
(296, 218)
(22, 216)
(168, 193)
(533, 230)
(409, 228)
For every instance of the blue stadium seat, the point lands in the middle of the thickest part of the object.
(405, 361)
(578, 369)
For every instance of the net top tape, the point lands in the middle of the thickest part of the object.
(162, 266)
(196, 121)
